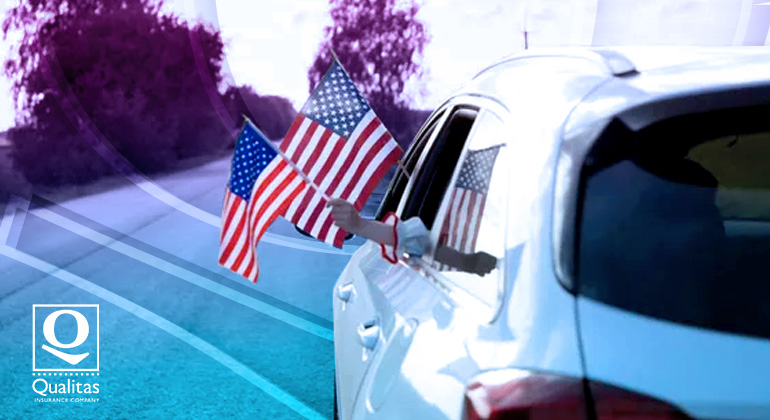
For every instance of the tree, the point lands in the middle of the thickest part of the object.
(137, 76)
(380, 44)
(273, 114)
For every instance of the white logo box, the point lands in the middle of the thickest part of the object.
(75, 356)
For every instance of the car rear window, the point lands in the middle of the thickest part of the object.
(675, 224)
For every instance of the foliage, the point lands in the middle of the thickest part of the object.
(144, 80)
(380, 44)
(272, 114)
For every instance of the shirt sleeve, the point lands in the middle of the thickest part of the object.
(410, 236)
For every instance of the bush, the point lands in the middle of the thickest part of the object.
(273, 114)
(144, 80)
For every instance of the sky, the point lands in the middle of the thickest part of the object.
(271, 44)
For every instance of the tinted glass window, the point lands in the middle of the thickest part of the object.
(436, 171)
(678, 227)
(471, 239)
(401, 178)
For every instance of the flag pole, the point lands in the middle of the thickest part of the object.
(286, 158)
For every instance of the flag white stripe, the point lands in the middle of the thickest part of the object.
(239, 214)
(239, 244)
(318, 223)
(462, 220)
(245, 262)
(456, 199)
(324, 156)
(242, 234)
(371, 168)
(276, 203)
(359, 157)
(297, 139)
(294, 207)
(266, 197)
(346, 150)
(316, 229)
(303, 221)
(470, 229)
(314, 139)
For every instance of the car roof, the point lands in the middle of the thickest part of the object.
(627, 76)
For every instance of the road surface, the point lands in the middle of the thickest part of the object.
(179, 337)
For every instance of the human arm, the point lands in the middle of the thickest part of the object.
(479, 263)
(346, 217)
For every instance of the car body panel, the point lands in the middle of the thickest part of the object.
(708, 374)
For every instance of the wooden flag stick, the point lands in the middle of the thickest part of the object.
(289, 161)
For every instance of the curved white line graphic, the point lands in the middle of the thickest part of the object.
(743, 22)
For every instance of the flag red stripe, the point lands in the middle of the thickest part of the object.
(274, 196)
(282, 207)
(367, 160)
(466, 226)
(327, 223)
(322, 144)
(477, 215)
(263, 184)
(339, 238)
(311, 221)
(292, 132)
(303, 205)
(331, 188)
(249, 263)
(371, 184)
(373, 124)
(248, 273)
(300, 208)
(278, 211)
(375, 178)
(454, 234)
(225, 211)
(234, 202)
(236, 237)
(335, 153)
(239, 259)
(303, 143)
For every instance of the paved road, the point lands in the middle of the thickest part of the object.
(180, 337)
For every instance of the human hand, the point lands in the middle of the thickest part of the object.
(345, 215)
(482, 263)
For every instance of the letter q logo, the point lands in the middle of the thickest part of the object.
(66, 338)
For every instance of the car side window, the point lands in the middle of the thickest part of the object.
(404, 171)
(438, 166)
(469, 242)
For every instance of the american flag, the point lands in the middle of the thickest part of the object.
(343, 148)
(262, 185)
(466, 207)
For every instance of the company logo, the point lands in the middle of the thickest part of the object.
(65, 338)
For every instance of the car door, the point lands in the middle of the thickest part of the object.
(357, 326)
(425, 307)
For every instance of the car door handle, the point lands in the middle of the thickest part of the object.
(368, 334)
(344, 291)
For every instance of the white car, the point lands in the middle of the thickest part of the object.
(623, 196)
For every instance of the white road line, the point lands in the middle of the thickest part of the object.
(203, 346)
(165, 266)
